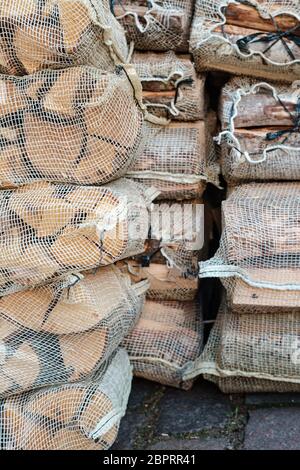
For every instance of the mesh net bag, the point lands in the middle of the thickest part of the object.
(258, 258)
(159, 25)
(260, 138)
(252, 353)
(81, 416)
(166, 339)
(49, 230)
(53, 34)
(76, 125)
(178, 159)
(248, 37)
(171, 87)
(42, 329)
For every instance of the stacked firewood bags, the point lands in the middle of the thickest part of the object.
(260, 38)
(254, 345)
(177, 157)
(71, 119)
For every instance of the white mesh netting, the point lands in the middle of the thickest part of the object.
(77, 125)
(43, 329)
(178, 159)
(158, 25)
(259, 254)
(79, 416)
(58, 33)
(260, 138)
(253, 353)
(253, 37)
(48, 230)
(171, 87)
(167, 337)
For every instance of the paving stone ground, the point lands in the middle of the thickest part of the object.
(163, 418)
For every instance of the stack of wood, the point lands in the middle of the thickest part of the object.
(158, 25)
(259, 38)
(260, 130)
(254, 344)
(70, 120)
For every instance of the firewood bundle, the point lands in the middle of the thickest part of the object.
(158, 25)
(41, 329)
(49, 230)
(258, 38)
(260, 138)
(58, 33)
(81, 416)
(77, 125)
(259, 256)
(171, 86)
(253, 353)
(178, 159)
(167, 337)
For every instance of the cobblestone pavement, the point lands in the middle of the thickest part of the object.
(203, 418)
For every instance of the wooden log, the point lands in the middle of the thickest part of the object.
(254, 140)
(247, 16)
(248, 299)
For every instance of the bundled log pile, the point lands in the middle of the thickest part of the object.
(258, 38)
(158, 25)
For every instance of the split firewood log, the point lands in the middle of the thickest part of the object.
(259, 39)
(47, 231)
(167, 336)
(158, 26)
(178, 159)
(80, 416)
(171, 87)
(57, 126)
(57, 34)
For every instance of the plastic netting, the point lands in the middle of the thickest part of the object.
(42, 329)
(168, 336)
(58, 33)
(172, 89)
(159, 25)
(260, 139)
(77, 125)
(80, 416)
(178, 159)
(259, 255)
(258, 38)
(253, 353)
(49, 230)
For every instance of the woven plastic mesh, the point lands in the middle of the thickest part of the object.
(172, 89)
(258, 258)
(159, 25)
(80, 416)
(76, 125)
(255, 353)
(168, 336)
(214, 40)
(43, 329)
(49, 230)
(53, 34)
(259, 138)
